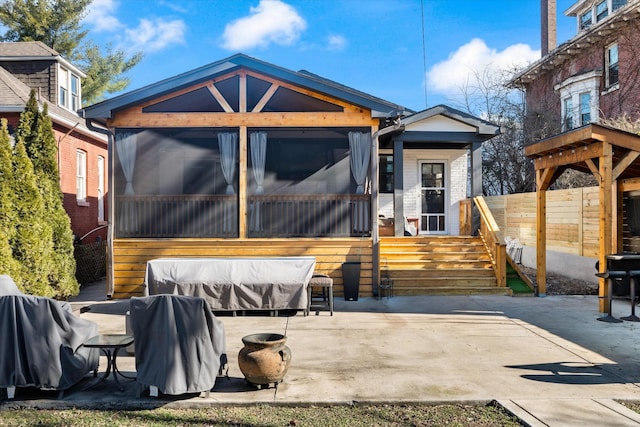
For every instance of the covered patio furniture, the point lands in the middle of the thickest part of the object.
(41, 341)
(180, 344)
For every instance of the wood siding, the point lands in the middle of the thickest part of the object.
(131, 256)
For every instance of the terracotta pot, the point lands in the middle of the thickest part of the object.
(264, 359)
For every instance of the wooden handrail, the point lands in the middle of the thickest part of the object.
(495, 246)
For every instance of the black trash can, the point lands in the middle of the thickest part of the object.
(351, 280)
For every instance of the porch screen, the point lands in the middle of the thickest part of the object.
(126, 144)
(360, 146)
(185, 182)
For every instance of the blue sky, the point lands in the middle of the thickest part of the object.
(375, 46)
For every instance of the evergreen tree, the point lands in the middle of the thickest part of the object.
(36, 132)
(57, 23)
(8, 265)
(32, 244)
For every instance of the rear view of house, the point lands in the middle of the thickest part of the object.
(244, 158)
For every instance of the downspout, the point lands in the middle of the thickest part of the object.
(375, 205)
(110, 139)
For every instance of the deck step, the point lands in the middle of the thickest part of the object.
(438, 265)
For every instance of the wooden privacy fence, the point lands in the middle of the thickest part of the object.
(572, 219)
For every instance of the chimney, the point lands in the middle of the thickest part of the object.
(548, 25)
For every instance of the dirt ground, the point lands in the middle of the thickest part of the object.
(562, 285)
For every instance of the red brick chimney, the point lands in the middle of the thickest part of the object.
(548, 25)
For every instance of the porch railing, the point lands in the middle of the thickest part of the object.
(489, 232)
(317, 215)
(177, 216)
(331, 215)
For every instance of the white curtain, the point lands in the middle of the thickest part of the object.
(228, 145)
(126, 144)
(360, 146)
(258, 141)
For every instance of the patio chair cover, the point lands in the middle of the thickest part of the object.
(179, 343)
(41, 341)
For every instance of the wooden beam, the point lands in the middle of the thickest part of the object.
(631, 184)
(569, 156)
(242, 93)
(593, 168)
(265, 98)
(545, 178)
(310, 119)
(624, 163)
(218, 96)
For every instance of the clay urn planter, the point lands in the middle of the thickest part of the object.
(264, 359)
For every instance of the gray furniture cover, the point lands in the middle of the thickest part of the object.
(273, 283)
(41, 341)
(180, 344)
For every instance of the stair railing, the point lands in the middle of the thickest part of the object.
(495, 246)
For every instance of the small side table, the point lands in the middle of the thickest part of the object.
(110, 344)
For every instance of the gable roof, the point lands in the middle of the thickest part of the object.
(14, 95)
(482, 127)
(33, 51)
(379, 107)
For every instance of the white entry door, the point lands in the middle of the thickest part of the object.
(433, 198)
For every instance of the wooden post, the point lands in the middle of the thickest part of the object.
(541, 237)
(606, 200)
(242, 182)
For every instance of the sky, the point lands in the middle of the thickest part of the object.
(415, 53)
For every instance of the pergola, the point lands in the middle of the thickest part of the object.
(613, 157)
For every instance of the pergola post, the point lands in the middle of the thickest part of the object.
(543, 180)
(606, 222)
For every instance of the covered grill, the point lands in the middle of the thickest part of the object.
(623, 270)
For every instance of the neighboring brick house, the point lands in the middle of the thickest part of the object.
(82, 153)
(594, 75)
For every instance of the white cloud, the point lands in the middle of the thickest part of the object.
(272, 21)
(336, 42)
(101, 16)
(155, 35)
(455, 72)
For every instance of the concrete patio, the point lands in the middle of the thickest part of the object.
(548, 360)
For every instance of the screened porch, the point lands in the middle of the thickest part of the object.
(297, 182)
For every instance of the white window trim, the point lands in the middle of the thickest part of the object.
(606, 67)
(67, 86)
(594, 17)
(81, 178)
(573, 87)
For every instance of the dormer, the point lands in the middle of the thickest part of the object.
(590, 12)
(43, 69)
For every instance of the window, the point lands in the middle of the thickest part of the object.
(567, 121)
(68, 90)
(386, 173)
(586, 20)
(612, 65)
(64, 81)
(617, 4)
(585, 109)
(602, 10)
(81, 176)
(100, 188)
(75, 93)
